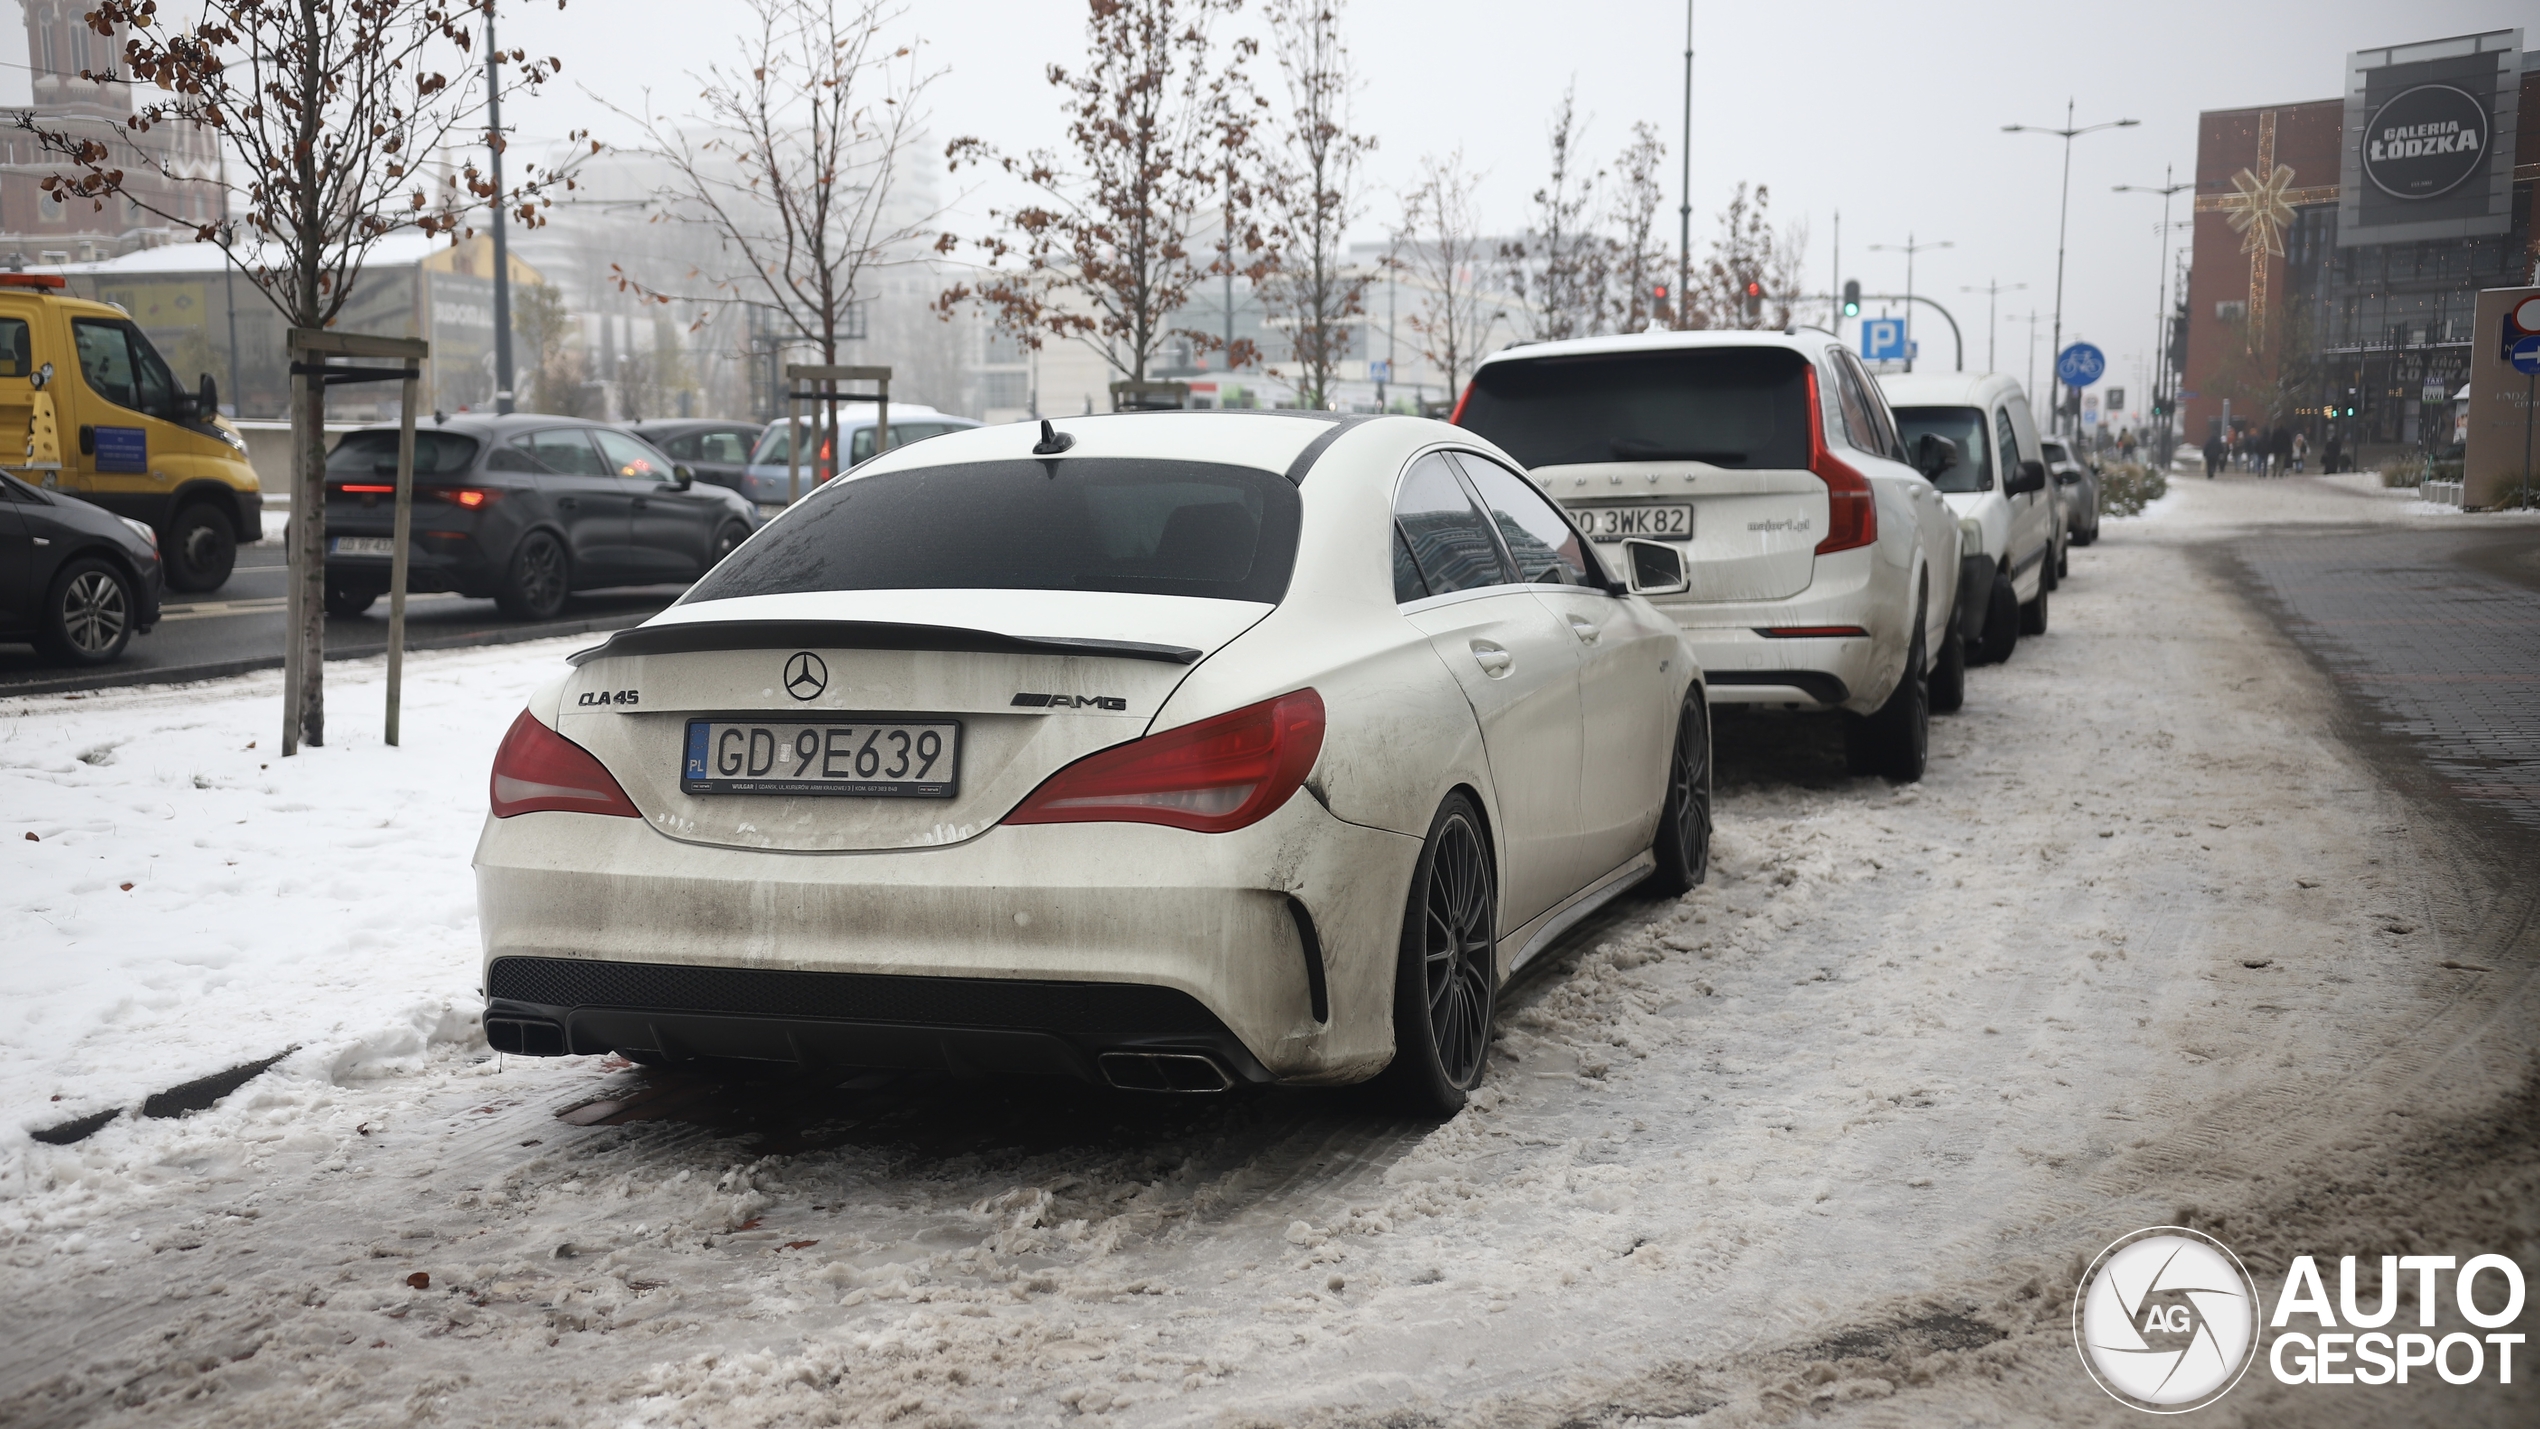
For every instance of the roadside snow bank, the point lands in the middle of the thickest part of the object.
(179, 901)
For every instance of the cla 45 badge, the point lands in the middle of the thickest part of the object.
(607, 697)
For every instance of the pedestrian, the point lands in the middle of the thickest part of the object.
(2213, 453)
(2279, 450)
(2301, 451)
(2328, 458)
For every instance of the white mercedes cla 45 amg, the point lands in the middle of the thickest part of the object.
(1172, 750)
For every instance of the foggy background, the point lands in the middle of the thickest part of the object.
(1891, 114)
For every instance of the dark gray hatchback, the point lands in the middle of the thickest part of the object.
(523, 508)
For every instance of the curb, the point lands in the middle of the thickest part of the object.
(221, 669)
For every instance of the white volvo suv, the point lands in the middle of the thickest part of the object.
(1820, 564)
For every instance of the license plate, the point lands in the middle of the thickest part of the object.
(1656, 523)
(873, 759)
(362, 546)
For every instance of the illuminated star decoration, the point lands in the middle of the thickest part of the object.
(2259, 210)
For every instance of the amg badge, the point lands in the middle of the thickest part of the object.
(1071, 702)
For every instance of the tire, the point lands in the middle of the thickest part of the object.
(347, 599)
(1949, 675)
(726, 541)
(1683, 848)
(2063, 563)
(2033, 614)
(2001, 623)
(88, 613)
(539, 579)
(201, 549)
(1446, 976)
(1895, 741)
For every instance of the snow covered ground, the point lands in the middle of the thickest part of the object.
(1831, 1136)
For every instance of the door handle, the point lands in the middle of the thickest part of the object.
(1494, 661)
(1585, 629)
(565, 503)
(642, 505)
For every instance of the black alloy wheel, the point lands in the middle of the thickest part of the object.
(88, 613)
(539, 579)
(1446, 982)
(2001, 623)
(1683, 849)
(201, 549)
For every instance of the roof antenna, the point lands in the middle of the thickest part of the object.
(1053, 441)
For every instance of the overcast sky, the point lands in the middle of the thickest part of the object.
(1890, 113)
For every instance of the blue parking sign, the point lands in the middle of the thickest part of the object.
(1883, 339)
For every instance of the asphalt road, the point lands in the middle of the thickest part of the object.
(239, 628)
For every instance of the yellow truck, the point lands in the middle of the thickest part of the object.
(103, 419)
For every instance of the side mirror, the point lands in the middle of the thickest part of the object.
(207, 400)
(2030, 477)
(1934, 454)
(1656, 568)
(681, 476)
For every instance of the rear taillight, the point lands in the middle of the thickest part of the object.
(1852, 509)
(350, 489)
(471, 498)
(1210, 777)
(539, 769)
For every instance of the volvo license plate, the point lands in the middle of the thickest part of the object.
(1616, 523)
(862, 758)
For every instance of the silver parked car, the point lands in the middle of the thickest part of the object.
(2076, 491)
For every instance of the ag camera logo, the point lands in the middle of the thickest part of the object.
(2167, 1320)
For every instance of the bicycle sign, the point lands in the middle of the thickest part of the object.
(2080, 365)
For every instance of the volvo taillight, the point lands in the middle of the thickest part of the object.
(1212, 776)
(1852, 508)
(538, 769)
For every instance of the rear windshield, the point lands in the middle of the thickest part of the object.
(1963, 425)
(1094, 523)
(1736, 407)
(375, 454)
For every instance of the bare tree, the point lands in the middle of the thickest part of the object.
(1439, 248)
(324, 111)
(1641, 262)
(1559, 270)
(791, 165)
(1753, 272)
(557, 371)
(1159, 138)
(1313, 195)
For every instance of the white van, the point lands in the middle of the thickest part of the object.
(1998, 488)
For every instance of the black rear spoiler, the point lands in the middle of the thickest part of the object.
(704, 635)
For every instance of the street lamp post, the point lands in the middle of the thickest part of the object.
(2161, 297)
(1684, 211)
(2063, 223)
(1909, 248)
(502, 250)
(1992, 291)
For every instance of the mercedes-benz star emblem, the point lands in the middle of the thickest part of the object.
(805, 676)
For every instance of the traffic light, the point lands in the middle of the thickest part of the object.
(1851, 297)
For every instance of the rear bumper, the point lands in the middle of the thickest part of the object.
(1741, 664)
(963, 1025)
(1031, 948)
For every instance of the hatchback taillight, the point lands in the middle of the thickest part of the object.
(1212, 777)
(1852, 508)
(538, 769)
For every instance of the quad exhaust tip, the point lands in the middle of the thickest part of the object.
(525, 1036)
(1164, 1072)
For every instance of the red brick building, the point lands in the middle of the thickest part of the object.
(2293, 328)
